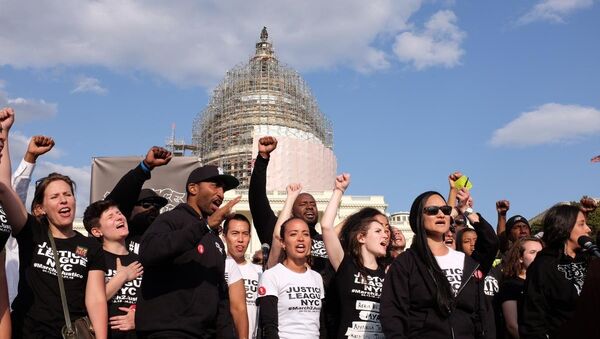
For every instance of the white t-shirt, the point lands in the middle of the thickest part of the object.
(299, 300)
(452, 265)
(251, 274)
(232, 272)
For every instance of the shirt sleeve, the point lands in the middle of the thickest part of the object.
(509, 290)
(126, 191)
(268, 285)
(269, 317)
(21, 179)
(486, 246)
(232, 272)
(96, 259)
(263, 217)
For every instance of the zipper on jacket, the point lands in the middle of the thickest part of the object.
(466, 282)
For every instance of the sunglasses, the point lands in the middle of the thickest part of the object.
(433, 210)
(39, 181)
(148, 205)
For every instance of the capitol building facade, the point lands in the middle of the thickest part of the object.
(265, 97)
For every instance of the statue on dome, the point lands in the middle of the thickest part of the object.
(263, 34)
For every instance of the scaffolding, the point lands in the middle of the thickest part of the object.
(260, 93)
(177, 147)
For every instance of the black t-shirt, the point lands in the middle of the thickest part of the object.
(38, 300)
(319, 261)
(359, 294)
(126, 296)
(133, 243)
(512, 289)
(318, 253)
(5, 228)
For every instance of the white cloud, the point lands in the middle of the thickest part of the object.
(549, 123)
(85, 84)
(196, 42)
(18, 146)
(438, 44)
(553, 10)
(27, 109)
(80, 175)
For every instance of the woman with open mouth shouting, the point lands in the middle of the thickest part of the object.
(358, 263)
(290, 294)
(431, 290)
(37, 309)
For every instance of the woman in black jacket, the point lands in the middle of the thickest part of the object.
(555, 278)
(432, 291)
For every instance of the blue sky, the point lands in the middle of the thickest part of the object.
(505, 91)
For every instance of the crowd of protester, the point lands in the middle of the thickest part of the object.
(186, 273)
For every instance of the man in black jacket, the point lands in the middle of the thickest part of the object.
(183, 293)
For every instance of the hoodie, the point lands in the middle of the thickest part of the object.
(408, 307)
(552, 288)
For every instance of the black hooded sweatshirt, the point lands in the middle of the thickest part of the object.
(552, 288)
(409, 310)
(183, 292)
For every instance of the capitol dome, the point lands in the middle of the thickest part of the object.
(265, 97)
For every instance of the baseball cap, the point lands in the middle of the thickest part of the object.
(212, 173)
(148, 195)
(515, 219)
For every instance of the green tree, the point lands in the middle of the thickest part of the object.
(593, 221)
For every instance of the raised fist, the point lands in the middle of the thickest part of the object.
(266, 145)
(342, 182)
(453, 177)
(38, 145)
(157, 156)
(294, 189)
(502, 206)
(7, 118)
(587, 204)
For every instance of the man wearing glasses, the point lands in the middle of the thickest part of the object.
(146, 209)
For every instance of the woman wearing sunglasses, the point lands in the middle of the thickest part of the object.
(432, 291)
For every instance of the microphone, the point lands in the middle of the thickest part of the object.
(588, 245)
(265, 248)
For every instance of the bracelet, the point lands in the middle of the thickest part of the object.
(145, 167)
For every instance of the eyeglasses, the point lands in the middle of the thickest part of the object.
(148, 205)
(433, 210)
(459, 222)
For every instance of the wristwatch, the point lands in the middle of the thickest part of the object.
(467, 212)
